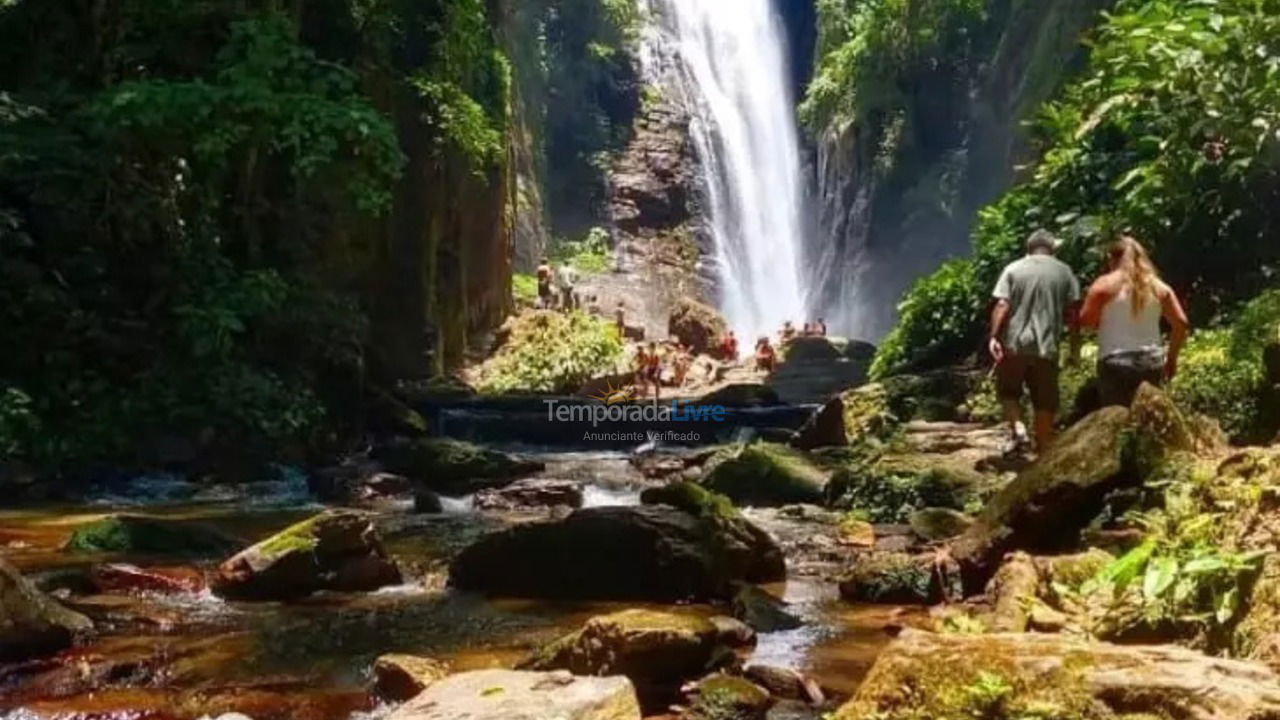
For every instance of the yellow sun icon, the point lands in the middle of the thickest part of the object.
(616, 395)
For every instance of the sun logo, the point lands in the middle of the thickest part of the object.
(616, 395)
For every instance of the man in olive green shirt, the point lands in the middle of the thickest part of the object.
(1034, 297)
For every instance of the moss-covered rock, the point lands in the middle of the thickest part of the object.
(889, 488)
(766, 475)
(696, 324)
(890, 577)
(1045, 507)
(31, 623)
(335, 550)
(934, 523)
(650, 552)
(925, 676)
(728, 697)
(138, 534)
(512, 695)
(691, 498)
(657, 651)
(454, 467)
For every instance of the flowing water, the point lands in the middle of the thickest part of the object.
(729, 61)
(189, 655)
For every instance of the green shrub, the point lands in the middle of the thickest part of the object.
(552, 352)
(590, 254)
(524, 287)
(1142, 141)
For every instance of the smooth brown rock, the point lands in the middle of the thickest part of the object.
(512, 695)
(401, 677)
(531, 493)
(785, 683)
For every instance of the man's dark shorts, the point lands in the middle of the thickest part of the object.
(1120, 375)
(1039, 375)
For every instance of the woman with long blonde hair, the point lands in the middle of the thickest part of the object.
(1126, 305)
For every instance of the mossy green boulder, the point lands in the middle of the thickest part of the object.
(691, 498)
(658, 651)
(335, 550)
(142, 535)
(454, 467)
(892, 578)
(729, 697)
(889, 488)
(766, 475)
(927, 676)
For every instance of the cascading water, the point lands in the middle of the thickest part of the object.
(730, 63)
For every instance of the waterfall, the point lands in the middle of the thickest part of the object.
(728, 59)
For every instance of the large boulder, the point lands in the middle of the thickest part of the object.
(1045, 507)
(813, 369)
(825, 428)
(31, 623)
(762, 611)
(335, 550)
(453, 467)
(696, 324)
(513, 695)
(657, 651)
(621, 553)
(141, 535)
(896, 578)
(925, 675)
(766, 475)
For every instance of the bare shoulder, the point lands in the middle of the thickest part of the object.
(1108, 284)
(1163, 290)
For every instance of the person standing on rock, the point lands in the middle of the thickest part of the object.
(568, 280)
(1126, 306)
(544, 274)
(1034, 297)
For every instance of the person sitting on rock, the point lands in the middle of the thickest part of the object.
(545, 274)
(808, 330)
(788, 332)
(593, 304)
(766, 356)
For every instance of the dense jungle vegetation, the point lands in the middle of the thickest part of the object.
(232, 221)
(1171, 132)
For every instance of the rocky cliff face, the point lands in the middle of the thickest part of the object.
(896, 203)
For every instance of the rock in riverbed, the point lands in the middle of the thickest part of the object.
(531, 493)
(621, 553)
(335, 550)
(402, 677)
(32, 623)
(925, 675)
(512, 695)
(453, 467)
(138, 534)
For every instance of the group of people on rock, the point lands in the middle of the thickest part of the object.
(765, 356)
(650, 361)
(558, 287)
(1038, 294)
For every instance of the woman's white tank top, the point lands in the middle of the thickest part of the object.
(1123, 330)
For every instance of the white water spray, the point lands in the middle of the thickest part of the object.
(731, 61)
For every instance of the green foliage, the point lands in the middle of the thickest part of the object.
(589, 255)
(1214, 380)
(1186, 572)
(551, 352)
(889, 492)
(1171, 134)
(524, 286)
